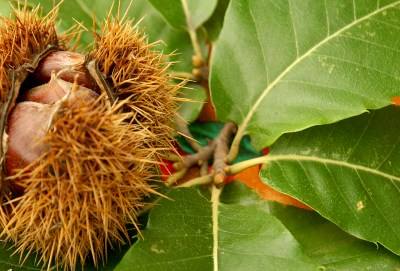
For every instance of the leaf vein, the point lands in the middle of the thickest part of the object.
(328, 87)
(394, 146)
(360, 137)
(376, 206)
(345, 199)
(327, 19)
(296, 42)
(386, 23)
(295, 157)
(259, 44)
(359, 65)
(371, 43)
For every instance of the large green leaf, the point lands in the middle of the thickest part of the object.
(190, 232)
(349, 172)
(295, 64)
(329, 246)
(173, 11)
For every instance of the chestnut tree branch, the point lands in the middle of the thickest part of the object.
(221, 151)
(207, 179)
(204, 154)
(216, 149)
(204, 168)
(176, 177)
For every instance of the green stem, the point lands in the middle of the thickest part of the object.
(192, 31)
(207, 179)
(215, 198)
(239, 167)
(176, 177)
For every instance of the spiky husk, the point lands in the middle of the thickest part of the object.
(21, 39)
(137, 73)
(81, 194)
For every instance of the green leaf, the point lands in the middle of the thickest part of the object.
(196, 97)
(174, 14)
(5, 8)
(296, 64)
(329, 246)
(349, 172)
(73, 11)
(214, 24)
(12, 262)
(188, 232)
(174, 42)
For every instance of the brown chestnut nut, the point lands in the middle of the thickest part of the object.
(27, 126)
(55, 90)
(70, 66)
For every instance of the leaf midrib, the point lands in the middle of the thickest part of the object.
(356, 167)
(215, 201)
(247, 119)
